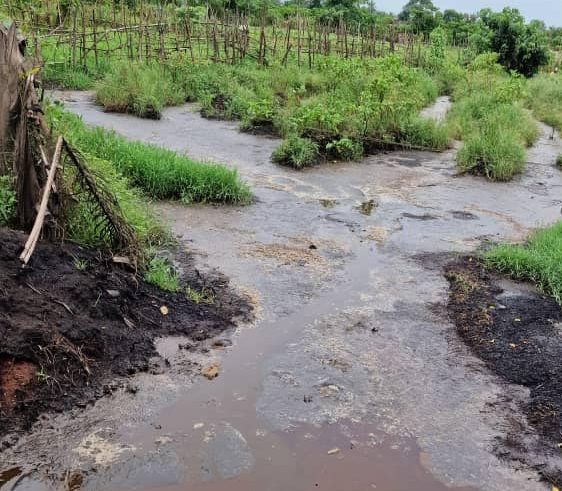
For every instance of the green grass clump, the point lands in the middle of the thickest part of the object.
(539, 260)
(7, 200)
(544, 98)
(160, 173)
(141, 89)
(296, 152)
(559, 161)
(488, 116)
(159, 272)
(491, 152)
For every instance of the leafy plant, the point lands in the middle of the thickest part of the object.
(345, 149)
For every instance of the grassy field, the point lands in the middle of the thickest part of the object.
(539, 260)
(160, 173)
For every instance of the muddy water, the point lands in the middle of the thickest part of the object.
(351, 378)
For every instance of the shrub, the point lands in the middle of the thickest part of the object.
(141, 89)
(559, 160)
(296, 152)
(7, 200)
(161, 173)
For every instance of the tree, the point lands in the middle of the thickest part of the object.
(520, 47)
(421, 14)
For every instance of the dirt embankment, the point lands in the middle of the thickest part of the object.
(518, 336)
(73, 321)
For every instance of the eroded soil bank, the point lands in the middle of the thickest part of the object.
(353, 376)
(516, 331)
(71, 322)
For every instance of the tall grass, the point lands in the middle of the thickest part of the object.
(141, 89)
(488, 116)
(160, 173)
(370, 102)
(544, 98)
(539, 260)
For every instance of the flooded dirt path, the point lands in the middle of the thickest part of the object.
(352, 377)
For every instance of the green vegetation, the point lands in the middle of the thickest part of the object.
(199, 296)
(488, 116)
(159, 272)
(7, 200)
(296, 152)
(539, 260)
(544, 98)
(141, 89)
(559, 161)
(160, 173)
(81, 222)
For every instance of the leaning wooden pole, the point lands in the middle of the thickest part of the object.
(38, 225)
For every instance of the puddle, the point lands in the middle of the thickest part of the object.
(347, 343)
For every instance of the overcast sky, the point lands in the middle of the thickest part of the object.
(548, 10)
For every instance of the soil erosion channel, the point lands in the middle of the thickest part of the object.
(352, 377)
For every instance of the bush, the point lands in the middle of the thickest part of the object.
(539, 260)
(141, 89)
(296, 152)
(161, 173)
(7, 200)
(559, 161)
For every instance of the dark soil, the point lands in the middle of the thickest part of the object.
(68, 332)
(519, 339)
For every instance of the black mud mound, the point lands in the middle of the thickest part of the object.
(519, 337)
(72, 321)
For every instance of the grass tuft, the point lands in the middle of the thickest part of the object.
(296, 152)
(162, 274)
(559, 161)
(539, 260)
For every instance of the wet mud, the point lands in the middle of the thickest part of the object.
(353, 375)
(516, 331)
(72, 321)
